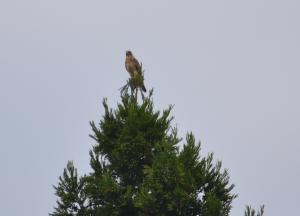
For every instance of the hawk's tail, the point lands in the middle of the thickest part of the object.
(144, 88)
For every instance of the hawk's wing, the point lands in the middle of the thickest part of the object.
(136, 64)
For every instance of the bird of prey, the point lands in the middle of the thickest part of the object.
(133, 67)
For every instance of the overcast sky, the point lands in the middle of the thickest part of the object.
(231, 68)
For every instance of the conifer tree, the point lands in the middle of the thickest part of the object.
(251, 212)
(141, 167)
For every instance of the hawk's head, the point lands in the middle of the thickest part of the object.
(128, 53)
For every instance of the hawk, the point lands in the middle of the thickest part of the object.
(133, 67)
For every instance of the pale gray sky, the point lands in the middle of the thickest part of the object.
(231, 68)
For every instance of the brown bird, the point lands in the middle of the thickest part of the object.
(133, 67)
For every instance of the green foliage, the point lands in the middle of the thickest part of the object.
(251, 212)
(70, 190)
(137, 80)
(138, 168)
(134, 83)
